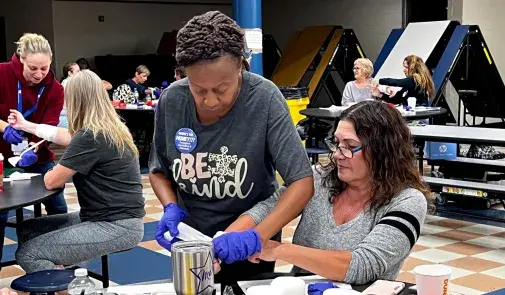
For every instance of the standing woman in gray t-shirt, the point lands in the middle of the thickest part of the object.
(359, 89)
(220, 135)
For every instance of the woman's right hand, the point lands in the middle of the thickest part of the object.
(172, 216)
(16, 120)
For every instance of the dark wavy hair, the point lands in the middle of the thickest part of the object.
(389, 153)
(207, 37)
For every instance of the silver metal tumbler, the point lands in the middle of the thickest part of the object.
(192, 266)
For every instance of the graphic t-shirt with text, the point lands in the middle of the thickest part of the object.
(223, 169)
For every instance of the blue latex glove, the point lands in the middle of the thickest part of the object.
(157, 92)
(319, 288)
(171, 218)
(236, 246)
(13, 136)
(164, 84)
(27, 159)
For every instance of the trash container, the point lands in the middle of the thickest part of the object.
(297, 99)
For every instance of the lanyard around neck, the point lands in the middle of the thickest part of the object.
(20, 101)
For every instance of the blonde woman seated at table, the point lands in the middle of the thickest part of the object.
(359, 89)
(369, 202)
(102, 160)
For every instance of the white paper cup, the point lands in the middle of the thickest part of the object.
(432, 279)
(288, 286)
(411, 101)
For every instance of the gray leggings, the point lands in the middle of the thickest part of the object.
(64, 239)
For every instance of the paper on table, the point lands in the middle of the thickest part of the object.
(335, 108)
(154, 289)
(20, 176)
(167, 288)
(244, 285)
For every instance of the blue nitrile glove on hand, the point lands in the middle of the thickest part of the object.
(164, 84)
(235, 246)
(13, 136)
(171, 218)
(319, 288)
(27, 159)
(157, 92)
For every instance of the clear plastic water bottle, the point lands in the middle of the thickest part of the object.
(136, 95)
(81, 282)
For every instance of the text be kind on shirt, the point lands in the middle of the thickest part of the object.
(222, 174)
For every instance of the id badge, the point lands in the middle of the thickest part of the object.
(18, 148)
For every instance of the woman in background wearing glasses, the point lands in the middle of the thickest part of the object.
(368, 206)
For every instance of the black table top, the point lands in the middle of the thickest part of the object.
(22, 193)
(318, 113)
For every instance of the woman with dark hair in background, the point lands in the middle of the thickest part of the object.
(179, 73)
(84, 65)
(69, 69)
(140, 77)
(418, 83)
(220, 136)
(368, 206)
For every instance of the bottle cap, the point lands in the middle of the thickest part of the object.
(81, 272)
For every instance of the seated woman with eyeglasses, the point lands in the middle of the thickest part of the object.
(369, 202)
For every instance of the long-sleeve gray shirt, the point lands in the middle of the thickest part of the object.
(354, 94)
(379, 242)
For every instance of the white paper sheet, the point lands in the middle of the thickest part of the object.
(20, 176)
(244, 285)
(151, 289)
(143, 289)
(419, 39)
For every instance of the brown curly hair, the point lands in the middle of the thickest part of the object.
(418, 71)
(389, 153)
(210, 36)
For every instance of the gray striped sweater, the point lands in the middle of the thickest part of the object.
(379, 242)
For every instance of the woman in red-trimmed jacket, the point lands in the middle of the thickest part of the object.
(28, 85)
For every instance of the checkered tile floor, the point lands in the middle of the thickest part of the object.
(475, 252)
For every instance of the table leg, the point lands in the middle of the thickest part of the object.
(37, 210)
(421, 155)
(19, 216)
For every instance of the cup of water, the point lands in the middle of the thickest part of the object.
(411, 101)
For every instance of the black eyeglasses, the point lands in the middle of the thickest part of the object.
(348, 153)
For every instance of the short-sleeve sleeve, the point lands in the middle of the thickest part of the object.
(83, 152)
(158, 161)
(284, 143)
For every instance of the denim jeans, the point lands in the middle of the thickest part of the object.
(54, 205)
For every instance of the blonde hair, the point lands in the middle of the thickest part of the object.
(143, 70)
(417, 70)
(366, 65)
(89, 108)
(33, 43)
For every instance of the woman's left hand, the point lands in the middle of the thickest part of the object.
(16, 120)
(268, 251)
